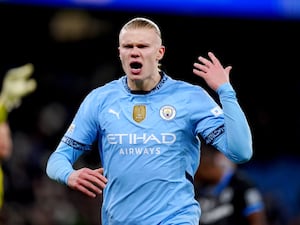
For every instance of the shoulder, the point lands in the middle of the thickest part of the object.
(108, 88)
(101, 94)
(184, 85)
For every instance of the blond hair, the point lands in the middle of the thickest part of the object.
(141, 22)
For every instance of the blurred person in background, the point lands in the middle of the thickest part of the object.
(5, 152)
(15, 86)
(226, 194)
(146, 125)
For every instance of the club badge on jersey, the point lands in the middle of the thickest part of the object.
(167, 112)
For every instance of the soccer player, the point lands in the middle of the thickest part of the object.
(5, 152)
(226, 194)
(147, 126)
(16, 85)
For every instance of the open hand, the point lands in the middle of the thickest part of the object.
(212, 71)
(16, 85)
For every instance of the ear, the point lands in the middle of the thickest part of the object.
(161, 53)
(119, 52)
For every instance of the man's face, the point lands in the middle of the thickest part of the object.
(140, 51)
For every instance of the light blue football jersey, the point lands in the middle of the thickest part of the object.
(149, 148)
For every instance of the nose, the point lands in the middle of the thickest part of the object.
(135, 52)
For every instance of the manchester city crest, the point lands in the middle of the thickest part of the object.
(167, 112)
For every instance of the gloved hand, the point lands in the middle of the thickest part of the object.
(15, 86)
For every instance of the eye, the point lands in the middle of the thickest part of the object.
(142, 46)
(127, 46)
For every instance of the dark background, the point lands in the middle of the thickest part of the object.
(264, 54)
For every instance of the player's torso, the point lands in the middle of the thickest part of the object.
(144, 127)
(145, 156)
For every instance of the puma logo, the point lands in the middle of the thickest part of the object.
(114, 112)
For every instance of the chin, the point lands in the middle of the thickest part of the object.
(135, 76)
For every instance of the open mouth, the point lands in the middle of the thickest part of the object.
(135, 65)
(136, 68)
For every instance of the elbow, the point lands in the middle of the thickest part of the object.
(242, 154)
(243, 158)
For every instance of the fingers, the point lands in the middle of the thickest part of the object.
(21, 72)
(99, 174)
(30, 86)
(212, 71)
(88, 181)
(214, 59)
(228, 69)
(16, 85)
(97, 179)
(88, 189)
(200, 69)
(207, 64)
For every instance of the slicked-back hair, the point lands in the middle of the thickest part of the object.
(141, 22)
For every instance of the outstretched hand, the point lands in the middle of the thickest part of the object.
(91, 182)
(16, 85)
(212, 71)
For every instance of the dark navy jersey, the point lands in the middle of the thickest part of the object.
(230, 202)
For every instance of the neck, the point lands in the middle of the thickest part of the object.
(144, 85)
